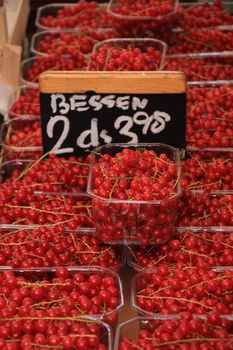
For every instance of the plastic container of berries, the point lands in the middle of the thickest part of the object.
(175, 289)
(67, 16)
(200, 41)
(58, 41)
(75, 292)
(31, 68)
(22, 205)
(132, 204)
(27, 199)
(24, 101)
(158, 11)
(214, 132)
(190, 18)
(179, 331)
(205, 209)
(203, 69)
(51, 247)
(208, 169)
(121, 54)
(202, 247)
(21, 138)
(45, 319)
(52, 175)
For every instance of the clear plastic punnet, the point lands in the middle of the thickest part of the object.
(197, 209)
(201, 69)
(170, 290)
(50, 10)
(22, 205)
(21, 138)
(26, 65)
(67, 16)
(124, 212)
(31, 68)
(209, 116)
(24, 101)
(218, 17)
(57, 284)
(50, 175)
(201, 41)
(143, 332)
(203, 246)
(152, 52)
(207, 169)
(49, 313)
(45, 246)
(50, 42)
(125, 10)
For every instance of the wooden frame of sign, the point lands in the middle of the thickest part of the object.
(82, 110)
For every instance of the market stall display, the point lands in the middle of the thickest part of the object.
(71, 221)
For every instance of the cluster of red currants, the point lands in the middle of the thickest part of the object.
(21, 204)
(169, 290)
(205, 209)
(84, 14)
(185, 332)
(71, 43)
(136, 195)
(129, 57)
(204, 16)
(40, 64)
(49, 175)
(28, 103)
(199, 40)
(26, 208)
(46, 247)
(22, 138)
(209, 116)
(41, 308)
(202, 69)
(200, 248)
(59, 334)
(144, 8)
(202, 170)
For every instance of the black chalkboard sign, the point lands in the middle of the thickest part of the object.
(79, 113)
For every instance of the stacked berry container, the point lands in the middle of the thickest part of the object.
(128, 55)
(207, 169)
(218, 14)
(183, 331)
(194, 42)
(135, 191)
(171, 290)
(203, 68)
(132, 19)
(65, 16)
(203, 247)
(25, 247)
(24, 102)
(21, 138)
(31, 68)
(209, 115)
(51, 307)
(52, 175)
(57, 41)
